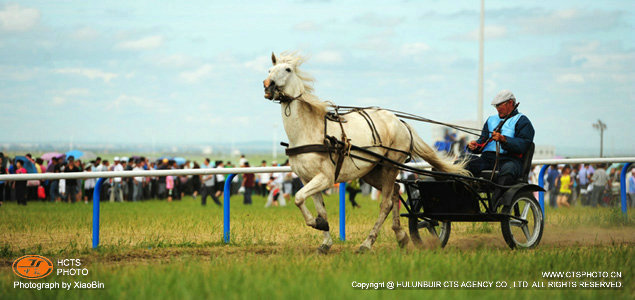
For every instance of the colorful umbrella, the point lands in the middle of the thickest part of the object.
(27, 163)
(179, 160)
(48, 156)
(75, 153)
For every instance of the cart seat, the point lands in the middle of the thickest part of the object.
(527, 157)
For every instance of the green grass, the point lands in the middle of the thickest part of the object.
(155, 249)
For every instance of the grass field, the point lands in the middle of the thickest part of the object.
(155, 249)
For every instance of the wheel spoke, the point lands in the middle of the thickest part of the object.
(515, 222)
(433, 230)
(525, 229)
(525, 211)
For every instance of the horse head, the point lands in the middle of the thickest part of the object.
(284, 80)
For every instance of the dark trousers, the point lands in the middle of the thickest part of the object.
(20, 192)
(596, 195)
(208, 190)
(351, 195)
(247, 195)
(509, 168)
(553, 194)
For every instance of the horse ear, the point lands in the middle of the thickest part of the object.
(273, 58)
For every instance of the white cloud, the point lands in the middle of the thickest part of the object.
(380, 41)
(146, 43)
(372, 19)
(259, 64)
(570, 78)
(414, 48)
(491, 32)
(69, 94)
(570, 20)
(173, 61)
(18, 73)
(16, 18)
(306, 26)
(328, 57)
(89, 73)
(126, 101)
(57, 100)
(196, 75)
(85, 33)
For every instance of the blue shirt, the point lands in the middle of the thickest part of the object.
(583, 176)
(551, 177)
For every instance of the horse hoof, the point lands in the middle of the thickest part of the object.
(362, 249)
(321, 224)
(324, 249)
(403, 242)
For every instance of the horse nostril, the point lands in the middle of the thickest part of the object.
(267, 83)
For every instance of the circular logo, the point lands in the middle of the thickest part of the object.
(32, 267)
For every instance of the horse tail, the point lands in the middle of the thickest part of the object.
(439, 161)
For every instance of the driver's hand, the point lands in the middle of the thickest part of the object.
(497, 136)
(472, 145)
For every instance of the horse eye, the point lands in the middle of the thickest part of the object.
(288, 69)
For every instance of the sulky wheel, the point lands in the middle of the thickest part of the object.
(436, 228)
(525, 230)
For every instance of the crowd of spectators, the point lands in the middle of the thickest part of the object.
(276, 187)
(585, 185)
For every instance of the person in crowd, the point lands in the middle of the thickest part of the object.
(600, 181)
(242, 161)
(209, 182)
(514, 138)
(161, 182)
(575, 187)
(89, 183)
(20, 185)
(248, 184)
(116, 193)
(352, 187)
(274, 186)
(583, 183)
(287, 184)
(137, 191)
(565, 183)
(71, 184)
(31, 185)
(220, 180)
(263, 179)
(3, 171)
(128, 165)
(196, 181)
(552, 175)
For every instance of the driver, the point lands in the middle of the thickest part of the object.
(514, 138)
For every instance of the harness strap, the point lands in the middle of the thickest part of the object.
(321, 148)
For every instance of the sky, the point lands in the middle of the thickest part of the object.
(191, 72)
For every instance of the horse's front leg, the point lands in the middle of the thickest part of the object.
(316, 185)
(322, 219)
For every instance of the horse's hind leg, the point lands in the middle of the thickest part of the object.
(383, 180)
(321, 211)
(400, 234)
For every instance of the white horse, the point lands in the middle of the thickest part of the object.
(303, 117)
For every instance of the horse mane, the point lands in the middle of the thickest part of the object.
(296, 60)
